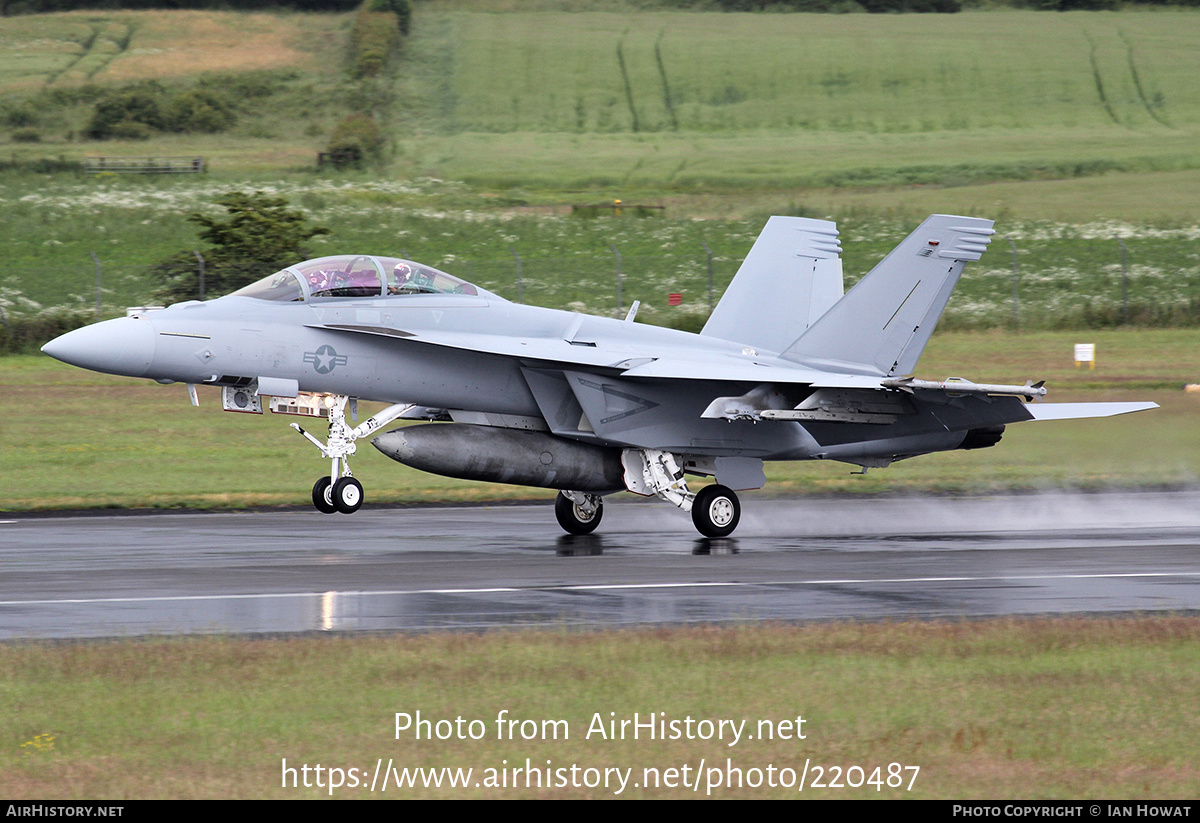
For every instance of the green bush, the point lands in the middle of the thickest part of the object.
(198, 110)
(19, 115)
(356, 138)
(27, 136)
(401, 8)
(134, 112)
(260, 235)
(26, 333)
(375, 35)
(123, 109)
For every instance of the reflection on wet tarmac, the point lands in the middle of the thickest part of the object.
(426, 569)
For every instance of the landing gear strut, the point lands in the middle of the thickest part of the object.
(339, 491)
(715, 509)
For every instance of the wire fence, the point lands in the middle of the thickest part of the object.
(1102, 282)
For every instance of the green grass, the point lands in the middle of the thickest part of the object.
(1069, 274)
(730, 73)
(98, 441)
(1074, 708)
(686, 101)
(740, 103)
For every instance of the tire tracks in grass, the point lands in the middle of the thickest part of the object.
(668, 99)
(1099, 81)
(101, 30)
(628, 86)
(1139, 89)
(1137, 81)
(86, 46)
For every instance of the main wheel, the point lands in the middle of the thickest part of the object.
(574, 519)
(322, 499)
(716, 511)
(347, 495)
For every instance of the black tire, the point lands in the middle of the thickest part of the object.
(572, 519)
(347, 495)
(321, 497)
(716, 511)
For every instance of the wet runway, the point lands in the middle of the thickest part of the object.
(793, 559)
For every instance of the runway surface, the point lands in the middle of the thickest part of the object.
(437, 568)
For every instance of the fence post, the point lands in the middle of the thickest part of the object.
(1124, 285)
(620, 301)
(1016, 275)
(201, 261)
(520, 285)
(708, 251)
(96, 260)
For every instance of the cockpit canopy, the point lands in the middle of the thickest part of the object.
(351, 275)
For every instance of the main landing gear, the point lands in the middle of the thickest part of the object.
(715, 509)
(339, 491)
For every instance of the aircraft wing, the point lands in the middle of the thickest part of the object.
(634, 360)
(1073, 411)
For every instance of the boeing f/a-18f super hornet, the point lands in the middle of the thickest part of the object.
(787, 368)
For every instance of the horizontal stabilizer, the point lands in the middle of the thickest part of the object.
(1073, 411)
(791, 277)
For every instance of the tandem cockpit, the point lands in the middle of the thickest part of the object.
(361, 276)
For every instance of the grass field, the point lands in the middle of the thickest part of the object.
(691, 101)
(807, 73)
(1029, 709)
(283, 72)
(1069, 274)
(670, 104)
(109, 47)
(998, 114)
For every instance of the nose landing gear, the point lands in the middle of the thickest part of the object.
(339, 491)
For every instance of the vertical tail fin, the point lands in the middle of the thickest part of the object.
(882, 325)
(791, 276)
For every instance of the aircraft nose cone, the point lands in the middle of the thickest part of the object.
(123, 346)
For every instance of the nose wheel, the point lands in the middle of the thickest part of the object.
(344, 495)
(322, 496)
(347, 495)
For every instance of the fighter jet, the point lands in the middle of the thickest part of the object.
(786, 368)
